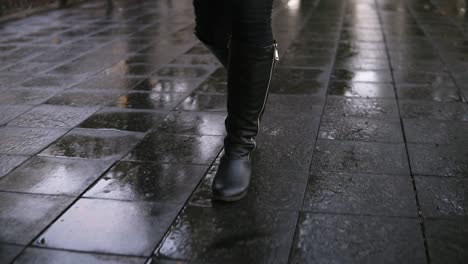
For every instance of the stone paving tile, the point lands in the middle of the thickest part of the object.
(446, 240)
(182, 72)
(51, 256)
(434, 110)
(204, 102)
(93, 144)
(56, 176)
(77, 98)
(360, 129)
(122, 119)
(361, 90)
(440, 160)
(298, 81)
(193, 123)
(9, 162)
(173, 148)
(210, 235)
(9, 112)
(94, 225)
(49, 116)
(359, 107)
(435, 131)
(370, 194)
(27, 141)
(442, 196)
(26, 221)
(164, 183)
(158, 84)
(149, 100)
(381, 76)
(270, 189)
(427, 92)
(26, 96)
(368, 157)
(61, 82)
(9, 252)
(109, 83)
(290, 104)
(357, 239)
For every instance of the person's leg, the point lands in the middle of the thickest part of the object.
(213, 26)
(252, 55)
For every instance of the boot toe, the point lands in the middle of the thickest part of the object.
(231, 180)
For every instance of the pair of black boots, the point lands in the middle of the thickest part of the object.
(250, 71)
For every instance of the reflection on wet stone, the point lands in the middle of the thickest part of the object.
(187, 72)
(111, 118)
(53, 176)
(138, 226)
(149, 100)
(51, 256)
(207, 235)
(148, 181)
(27, 141)
(361, 89)
(166, 85)
(204, 102)
(193, 123)
(93, 144)
(160, 147)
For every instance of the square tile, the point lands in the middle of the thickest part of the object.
(357, 239)
(440, 93)
(368, 157)
(149, 100)
(27, 141)
(447, 240)
(9, 162)
(26, 96)
(204, 102)
(79, 98)
(9, 252)
(93, 144)
(49, 116)
(270, 188)
(57, 176)
(443, 160)
(95, 225)
(362, 76)
(359, 107)
(434, 131)
(26, 221)
(298, 81)
(193, 123)
(442, 196)
(361, 90)
(170, 148)
(51, 256)
(157, 84)
(360, 129)
(121, 119)
(369, 194)
(9, 112)
(214, 235)
(434, 110)
(165, 183)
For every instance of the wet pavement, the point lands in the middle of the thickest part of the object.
(111, 130)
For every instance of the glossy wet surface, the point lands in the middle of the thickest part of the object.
(112, 126)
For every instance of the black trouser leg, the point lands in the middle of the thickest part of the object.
(214, 26)
(252, 55)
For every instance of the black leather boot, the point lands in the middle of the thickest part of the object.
(249, 75)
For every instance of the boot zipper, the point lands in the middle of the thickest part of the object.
(275, 47)
(275, 58)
